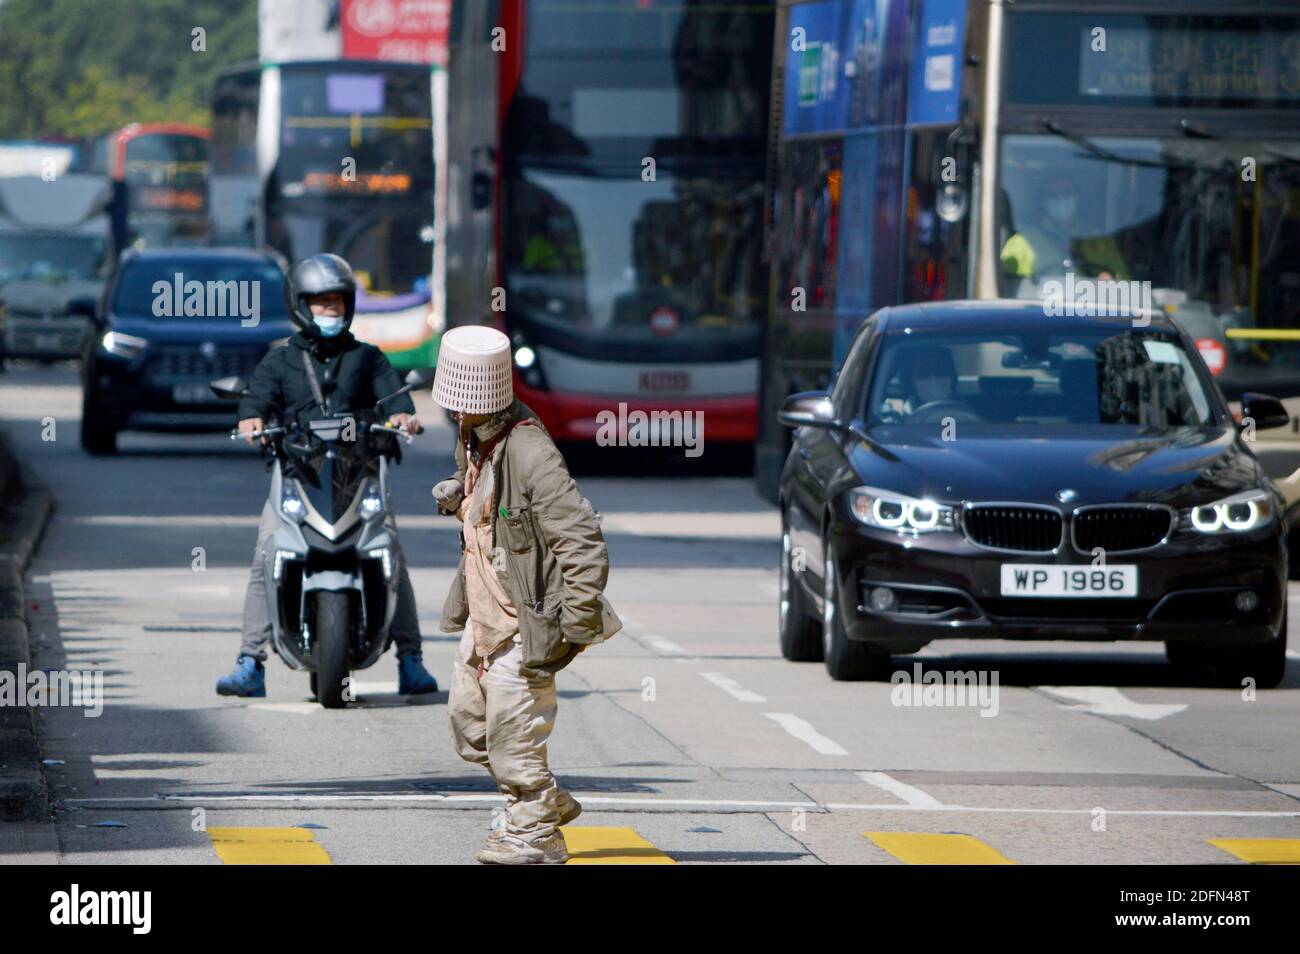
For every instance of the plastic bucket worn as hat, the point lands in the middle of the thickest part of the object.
(474, 373)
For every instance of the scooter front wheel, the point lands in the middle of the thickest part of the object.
(333, 625)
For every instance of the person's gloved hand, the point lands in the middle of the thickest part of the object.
(448, 493)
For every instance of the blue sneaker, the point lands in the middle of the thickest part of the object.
(412, 678)
(248, 679)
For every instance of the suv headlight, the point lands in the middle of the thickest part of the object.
(124, 346)
(1239, 513)
(886, 510)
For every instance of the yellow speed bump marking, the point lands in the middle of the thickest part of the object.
(611, 846)
(924, 848)
(267, 846)
(1261, 851)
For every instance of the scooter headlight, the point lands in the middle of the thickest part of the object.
(372, 503)
(385, 557)
(291, 506)
(277, 570)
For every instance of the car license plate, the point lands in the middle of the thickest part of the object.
(1050, 579)
(192, 394)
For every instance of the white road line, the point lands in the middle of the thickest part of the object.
(908, 793)
(666, 647)
(732, 688)
(706, 804)
(804, 732)
(1105, 700)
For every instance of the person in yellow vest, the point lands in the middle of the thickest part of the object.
(1051, 247)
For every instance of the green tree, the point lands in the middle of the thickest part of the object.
(83, 67)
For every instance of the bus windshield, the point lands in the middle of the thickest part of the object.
(1215, 249)
(667, 96)
(378, 212)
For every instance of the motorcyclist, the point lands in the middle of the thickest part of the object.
(351, 374)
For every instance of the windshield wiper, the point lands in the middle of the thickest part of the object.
(1194, 131)
(1090, 147)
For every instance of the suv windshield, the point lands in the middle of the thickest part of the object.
(1090, 376)
(215, 288)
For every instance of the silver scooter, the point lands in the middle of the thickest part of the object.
(331, 564)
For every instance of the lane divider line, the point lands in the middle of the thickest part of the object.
(732, 688)
(908, 793)
(804, 732)
(610, 846)
(927, 848)
(1261, 851)
(268, 846)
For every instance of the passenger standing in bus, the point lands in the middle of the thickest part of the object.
(530, 586)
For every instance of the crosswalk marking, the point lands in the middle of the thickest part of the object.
(1261, 851)
(268, 846)
(611, 846)
(925, 848)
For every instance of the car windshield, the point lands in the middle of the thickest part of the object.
(201, 288)
(51, 257)
(1091, 376)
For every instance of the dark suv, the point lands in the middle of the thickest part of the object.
(170, 321)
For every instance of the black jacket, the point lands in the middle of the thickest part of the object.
(353, 376)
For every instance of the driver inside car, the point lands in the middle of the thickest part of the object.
(930, 379)
(322, 293)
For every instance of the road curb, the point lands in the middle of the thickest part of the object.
(27, 505)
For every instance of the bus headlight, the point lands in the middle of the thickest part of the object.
(1239, 513)
(525, 358)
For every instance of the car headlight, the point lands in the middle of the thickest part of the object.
(124, 346)
(1239, 513)
(291, 506)
(886, 510)
(372, 504)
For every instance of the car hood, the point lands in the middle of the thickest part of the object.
(221, 331)
(1101, 464)
(32, 296)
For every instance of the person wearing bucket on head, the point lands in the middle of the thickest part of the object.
(528, 592)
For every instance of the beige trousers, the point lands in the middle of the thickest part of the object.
(502, 720)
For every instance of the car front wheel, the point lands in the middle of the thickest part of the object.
(801, 638)
(846, 659)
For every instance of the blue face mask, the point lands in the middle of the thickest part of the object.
(329, 327)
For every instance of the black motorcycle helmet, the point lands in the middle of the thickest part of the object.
(319, 275)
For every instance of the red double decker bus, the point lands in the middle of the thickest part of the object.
(604, 205)
(160, 183)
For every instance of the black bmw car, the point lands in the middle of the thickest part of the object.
(981, 470)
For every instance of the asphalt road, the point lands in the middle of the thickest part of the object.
(687, 737)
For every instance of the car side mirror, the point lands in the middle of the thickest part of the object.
(1265, 411)
(807, 409)
(229, 389)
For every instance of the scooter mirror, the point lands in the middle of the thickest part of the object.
(229, 389)
(420, 378)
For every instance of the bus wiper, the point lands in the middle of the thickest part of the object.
(1090, 147)
(1194, 131)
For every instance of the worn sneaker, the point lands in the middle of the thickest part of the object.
(508, 849)
(572, 810)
